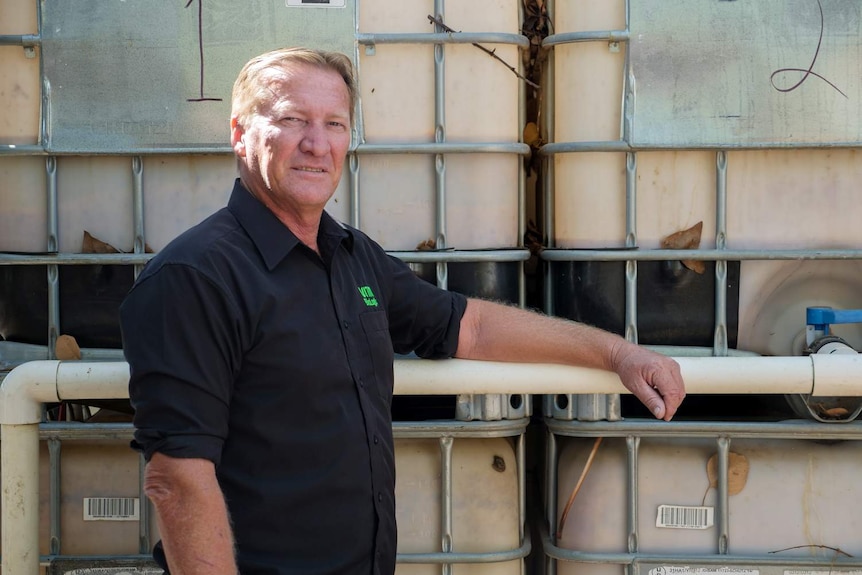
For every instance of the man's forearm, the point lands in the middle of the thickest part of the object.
(505, 333)
(496, 332)
(192, 516)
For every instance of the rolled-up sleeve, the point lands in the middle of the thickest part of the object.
(182, 339)
(422, 317)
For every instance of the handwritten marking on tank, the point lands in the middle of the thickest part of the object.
(810, 70)
(201, 98)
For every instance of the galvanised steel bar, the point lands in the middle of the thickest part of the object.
(353, 175)
(632, 450)
(54, 476)
(559, 255)
(53, 246)
(623, 146)
(552, 469)
(24, 40)
(443, 147)
(588, 36)
(720, 343)
(138, 208)
(400, 429)
(15, 259)
(791, 429)
(440, 138)
(547, 163)
(723, 519)
(406, 148)
(522, 176)
(836, 565)
(631, 328)
(446, 543)
(445, 38)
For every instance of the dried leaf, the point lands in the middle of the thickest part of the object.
(836, 412)
(67, 348)
(92, 245)
(830, 410)
(427, 245)
(687, 240)
(737, 472)
(531, 135)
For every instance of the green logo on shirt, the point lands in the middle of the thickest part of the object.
(368, 296)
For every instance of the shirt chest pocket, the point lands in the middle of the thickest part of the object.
(375, 325)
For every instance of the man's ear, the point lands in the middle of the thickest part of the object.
(237, 140)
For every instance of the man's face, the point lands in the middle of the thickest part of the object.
(292, 151)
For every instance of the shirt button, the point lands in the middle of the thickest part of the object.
(361, 383)
(346, 324)
(379, 496)
(376, 441)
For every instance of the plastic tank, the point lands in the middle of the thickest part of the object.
(20, 85)
(397, 192)
(776, 199)
(793, 503)
(484, 502)
(105, 472)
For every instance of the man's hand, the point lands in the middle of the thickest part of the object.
(653, 378)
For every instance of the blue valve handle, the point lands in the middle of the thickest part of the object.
(821, 317)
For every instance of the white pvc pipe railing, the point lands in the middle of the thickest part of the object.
(28, 386)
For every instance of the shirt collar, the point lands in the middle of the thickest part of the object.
(272, 238)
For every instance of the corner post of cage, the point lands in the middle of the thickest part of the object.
(551, 470)
(439, 138)
(720, 338)
(22, 394)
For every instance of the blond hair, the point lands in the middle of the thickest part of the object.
(249, 90)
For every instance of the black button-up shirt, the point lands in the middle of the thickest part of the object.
(248, 349)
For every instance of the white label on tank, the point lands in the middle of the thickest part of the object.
(315, 3)
(111, 509)
(683, 517)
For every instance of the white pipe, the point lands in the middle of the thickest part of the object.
(28, 386)
(25, 389)
(77, 380)
(22, 394)
(836, 374)
(723, 375)
(19, 452)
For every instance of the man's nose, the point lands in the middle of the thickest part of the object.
(314, 140)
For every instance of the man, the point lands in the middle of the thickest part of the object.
(261, 347)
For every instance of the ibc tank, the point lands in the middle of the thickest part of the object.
(795, 496)
(19, 89)
(106, 472)
(485, 500)
(777, 199)
(480, 103)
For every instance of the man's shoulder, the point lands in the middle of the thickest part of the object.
(211, 241)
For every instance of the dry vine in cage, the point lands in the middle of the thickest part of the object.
(536, 28)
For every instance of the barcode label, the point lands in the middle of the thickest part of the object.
(316, 3)
(693, 570)
(111, 509)
(682, 517)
